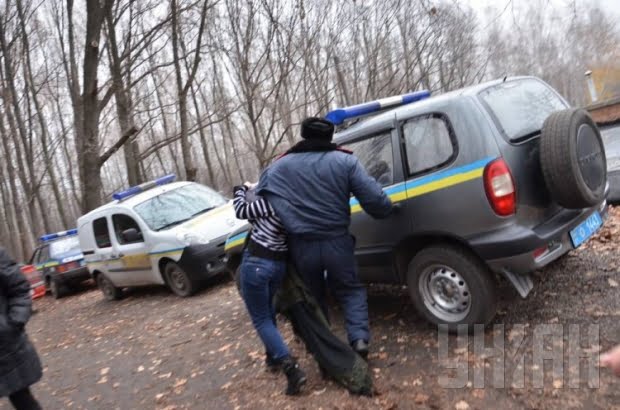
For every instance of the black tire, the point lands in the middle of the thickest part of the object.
(57, 289)
(572, 158)
(179, 281)
(110, 292)
(456, 274)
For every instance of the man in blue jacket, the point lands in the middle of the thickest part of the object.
(310, 188)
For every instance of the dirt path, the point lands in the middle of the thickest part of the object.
(154, 350)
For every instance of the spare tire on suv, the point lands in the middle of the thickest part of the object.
(572, 158)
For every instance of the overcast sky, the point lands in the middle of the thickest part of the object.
(562, 6)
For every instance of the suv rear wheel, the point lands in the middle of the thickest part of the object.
(572, 158)
(179, 281)
(449, 285)
(57, 289)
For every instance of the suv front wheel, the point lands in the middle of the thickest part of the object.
(449, 285)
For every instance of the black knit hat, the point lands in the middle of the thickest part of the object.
(317, 128)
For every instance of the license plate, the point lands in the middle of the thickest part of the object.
(586, 229)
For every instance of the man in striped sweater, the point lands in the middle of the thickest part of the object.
(262, 269)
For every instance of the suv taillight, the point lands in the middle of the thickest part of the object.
(67, 267)
(500, 187)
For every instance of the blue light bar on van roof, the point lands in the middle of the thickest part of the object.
(143, 187)
(52, 236)
(340, 115)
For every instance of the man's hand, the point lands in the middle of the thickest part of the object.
(611, 359)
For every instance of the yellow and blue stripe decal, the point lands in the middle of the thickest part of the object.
(47, 265)
(167, 252)
(431, 183)
(235, 241)
(409, 189)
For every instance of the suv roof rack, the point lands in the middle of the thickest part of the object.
(134, 190)
(340, 115)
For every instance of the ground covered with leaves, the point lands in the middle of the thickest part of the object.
(153, 350)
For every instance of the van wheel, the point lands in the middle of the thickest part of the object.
(450, 286)
(179, 281)
(57, 290)
(110, 292)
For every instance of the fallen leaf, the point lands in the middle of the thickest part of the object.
(103, 380)
(140, 369)
(557, 384)
(461, 405)
(224, 348)
(104, 371)
(420, 398)
(180, 382)
(612, 283)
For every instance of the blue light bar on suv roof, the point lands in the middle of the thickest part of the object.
(52, 236)
(339, 115)
(143, 187)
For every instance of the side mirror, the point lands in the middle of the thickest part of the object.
(131, 235)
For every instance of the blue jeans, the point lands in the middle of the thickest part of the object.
(260, 279)
(336, 256)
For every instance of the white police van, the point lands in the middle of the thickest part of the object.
(160, 232)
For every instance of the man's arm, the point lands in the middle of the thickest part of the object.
(250, 210)
(368, 192)
(17, 289)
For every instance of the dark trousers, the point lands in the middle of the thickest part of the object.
(331, 262)
(23, 400)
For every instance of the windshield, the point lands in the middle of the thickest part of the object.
(177, 206)
(63, 246)
(521, 107)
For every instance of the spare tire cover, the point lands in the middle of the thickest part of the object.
(572, 158)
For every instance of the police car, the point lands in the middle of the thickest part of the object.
(160, 232)
(60, 262)
(491, 181)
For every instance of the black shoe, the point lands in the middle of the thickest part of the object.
(295, 376)
(360, 347)
(272, 365)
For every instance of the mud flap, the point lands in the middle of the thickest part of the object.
(522, 283)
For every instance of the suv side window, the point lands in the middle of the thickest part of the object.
(34, 260)
(102, 234)
(375, 154)
(123, 222)
(428, 143)
(44, 254)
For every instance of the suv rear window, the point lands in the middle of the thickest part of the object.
(521, 107)
(64, 246)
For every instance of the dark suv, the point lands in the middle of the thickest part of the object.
(495, 179)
